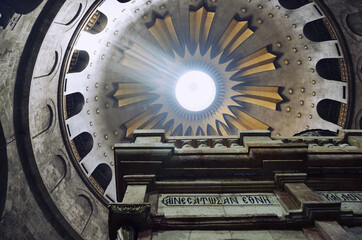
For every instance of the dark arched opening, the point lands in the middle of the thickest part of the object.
(328, 68)
(316, 133)
(329, 110)
(96, 23)
(102, 175)
(293, 4)
(317, 31)
(84, 144)
(79, 61)
(74, 104)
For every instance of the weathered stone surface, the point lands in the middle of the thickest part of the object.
(331, 231)
(350, 201)
(301, 193)
(227, 235)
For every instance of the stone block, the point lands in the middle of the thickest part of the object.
(331, 231)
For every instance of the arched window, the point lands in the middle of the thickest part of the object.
(317, 31)
(102, 175)
(328, 68)
(74, 104)
(293, 4)
(329, 110)
(96, 23)
(79, 61)
(84, 144)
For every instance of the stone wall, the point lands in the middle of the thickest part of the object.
(34, 208)
(29, 208)
(22, 217)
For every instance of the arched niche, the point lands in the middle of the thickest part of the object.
(83, 144)
(102, 176)
(43, 119)
(79, 61)
(354, 21)
(56, 172)
(96, 23)
(83, 211)
(317, 31)
(74, 104)
(328, 68)
(329, 110)
(293, 4)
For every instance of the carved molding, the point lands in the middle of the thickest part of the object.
(130, 209)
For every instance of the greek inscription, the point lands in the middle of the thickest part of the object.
(216, 200)
(342, 197)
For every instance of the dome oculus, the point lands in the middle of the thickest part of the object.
(195, 91)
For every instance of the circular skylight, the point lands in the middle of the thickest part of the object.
(195, 91)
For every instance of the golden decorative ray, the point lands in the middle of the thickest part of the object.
(227, 113)
(235, 34)
(164, 32)
(260, 61)
(140, 119)
(263, 96)
(200, 25)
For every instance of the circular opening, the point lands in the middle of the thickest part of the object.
(195, 91)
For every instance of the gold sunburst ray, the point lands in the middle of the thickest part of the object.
(226, 112)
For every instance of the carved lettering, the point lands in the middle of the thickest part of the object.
(342, 197)
(233, 200)
(217, 200)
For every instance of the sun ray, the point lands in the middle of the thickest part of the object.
(160, 32)
(156, 120)
(130, 88)
(135, 99)
(226, 113)
(140, 119)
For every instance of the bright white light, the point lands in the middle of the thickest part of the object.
(195, 91)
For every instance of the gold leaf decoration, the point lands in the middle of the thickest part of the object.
(154, 77)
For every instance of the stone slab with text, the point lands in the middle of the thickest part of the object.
(350, 201)
(219, 204)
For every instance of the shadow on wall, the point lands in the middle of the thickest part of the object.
(3, 171)
(293, 4)
(9, 7)
(22, 6)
